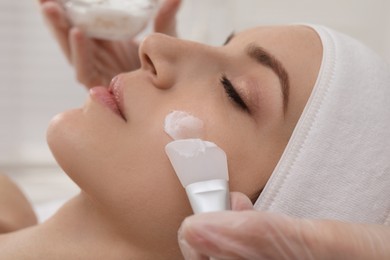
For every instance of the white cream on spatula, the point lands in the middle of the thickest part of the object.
(110, 19)
(201, 166)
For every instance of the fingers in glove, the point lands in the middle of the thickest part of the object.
(243, 235)
(114, 55)
(58, 23)
(88, 69)
(188, 252)
(260, 235)
(240, 202)
(81, 57)
(331, 239)
(165, 21)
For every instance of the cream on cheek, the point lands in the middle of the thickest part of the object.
(181, 125)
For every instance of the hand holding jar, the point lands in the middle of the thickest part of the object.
(97, 37)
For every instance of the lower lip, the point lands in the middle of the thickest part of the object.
(104, 97)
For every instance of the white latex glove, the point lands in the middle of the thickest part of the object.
(249, 234)
(95, 61)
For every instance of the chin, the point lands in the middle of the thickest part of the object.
(59, 128)
(63, 137)
(85, 147)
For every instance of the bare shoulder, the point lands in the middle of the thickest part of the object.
(16, 211)
(23, 244)
(12, 246)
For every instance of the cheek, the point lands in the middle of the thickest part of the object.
(246, 149)
(249, 170)
(124, 168)
(252, 156)
(138, 181)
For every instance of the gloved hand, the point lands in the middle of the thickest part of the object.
(249, 234)
(96, 62)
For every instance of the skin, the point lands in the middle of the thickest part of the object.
(132, 203)
(16, 211)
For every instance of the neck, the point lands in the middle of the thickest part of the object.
(80, 229)
(85, 229)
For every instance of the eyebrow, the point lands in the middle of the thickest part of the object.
(266, 59)
(263, 57)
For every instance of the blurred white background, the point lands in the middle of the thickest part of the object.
(37, 83)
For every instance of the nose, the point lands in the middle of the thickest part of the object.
(167, 58)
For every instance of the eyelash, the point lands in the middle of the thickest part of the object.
(232, 93)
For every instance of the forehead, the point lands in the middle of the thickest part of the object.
(278, 38)
(298, 47)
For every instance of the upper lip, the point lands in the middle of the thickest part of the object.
(116, 89)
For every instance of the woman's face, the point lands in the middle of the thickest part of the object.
(249, 94)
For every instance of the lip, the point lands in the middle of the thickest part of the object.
(116, 89)
(107, 98)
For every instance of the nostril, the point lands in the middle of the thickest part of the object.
(150, 64)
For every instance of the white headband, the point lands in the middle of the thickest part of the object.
(337, 162)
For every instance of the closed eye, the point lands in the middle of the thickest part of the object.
(232, 93)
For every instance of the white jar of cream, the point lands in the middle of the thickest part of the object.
(110, 19)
